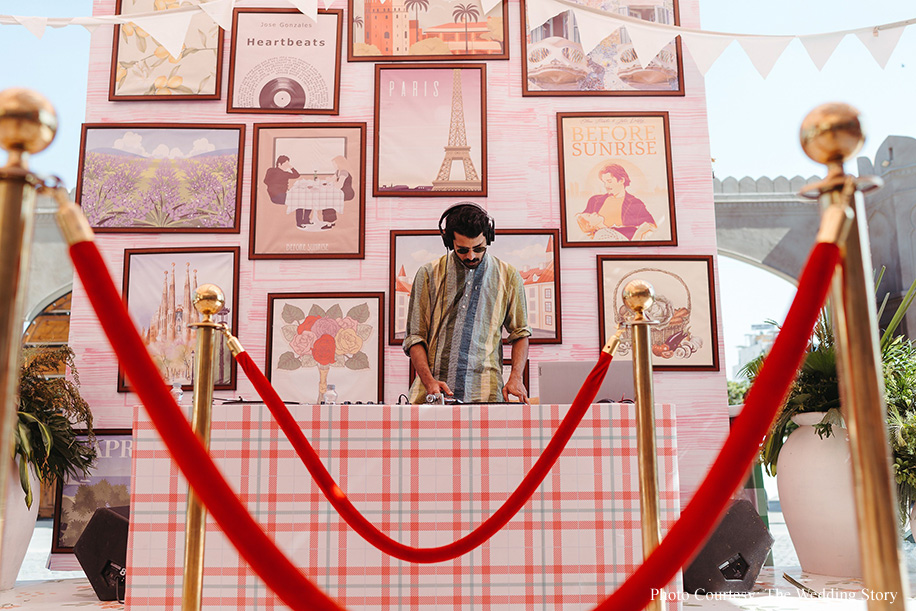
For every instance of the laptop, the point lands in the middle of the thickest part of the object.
(560, 381)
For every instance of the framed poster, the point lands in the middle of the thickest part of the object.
(422, 110)
(427, 30)
(108, 485)
(282, 62)
(141, 69)
(308, 196)
(686, 337)
(316, 339)
(159, 285)
(616, 183)
(533, 252)
(161, 177)
(556, 64)
(507, 369)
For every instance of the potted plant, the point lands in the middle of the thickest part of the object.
(51, 414)
(808, 444)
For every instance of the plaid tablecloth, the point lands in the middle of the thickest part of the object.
(311, 195)
(425, 476)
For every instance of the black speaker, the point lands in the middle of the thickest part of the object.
(732, 557)
(102, 551)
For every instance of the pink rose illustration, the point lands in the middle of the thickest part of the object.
(325, 326)
(347, 323)
(303, 342)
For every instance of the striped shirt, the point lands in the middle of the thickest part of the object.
(458, 314)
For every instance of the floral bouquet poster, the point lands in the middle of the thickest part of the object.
(316, 339)
(146, 177)
(430, 137)
(616, 185)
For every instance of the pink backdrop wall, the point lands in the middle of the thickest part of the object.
(523, 193)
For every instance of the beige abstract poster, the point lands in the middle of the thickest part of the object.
(616, 185)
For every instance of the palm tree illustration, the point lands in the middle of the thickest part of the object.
(416, 5)
(465, 12)
(358, 21)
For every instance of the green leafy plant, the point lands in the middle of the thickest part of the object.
(737, 390)
(45, 436)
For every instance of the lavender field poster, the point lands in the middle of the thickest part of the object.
(161, 178)
(108, 485)
(316, 339)
(430, 130)
(159, 286)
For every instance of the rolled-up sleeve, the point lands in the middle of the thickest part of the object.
(419, 311)
(516, 322)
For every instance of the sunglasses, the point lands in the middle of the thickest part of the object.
(477, 249)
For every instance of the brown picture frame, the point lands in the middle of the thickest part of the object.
(620, 153)
(585, 75)
(208, 268)
(297, 80)
(116, 468)
(684, 309)
(129, 153)
(304, 352)
(543, 281)
(356, 21)
(412, 147)
(330, 182)
(163, 67)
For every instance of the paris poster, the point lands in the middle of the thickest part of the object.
(430, 130)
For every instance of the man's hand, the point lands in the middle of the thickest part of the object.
(437, 386)
(514, 386)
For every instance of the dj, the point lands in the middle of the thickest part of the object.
(458, 305)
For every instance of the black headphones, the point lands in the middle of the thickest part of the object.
(449, 239)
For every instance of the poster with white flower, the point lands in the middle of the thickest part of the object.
(316, 339)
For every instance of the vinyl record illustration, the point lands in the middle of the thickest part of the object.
(282, 92)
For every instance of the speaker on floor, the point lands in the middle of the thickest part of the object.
(732, 557)
(102, 551)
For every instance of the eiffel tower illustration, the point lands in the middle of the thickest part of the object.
(457, 149)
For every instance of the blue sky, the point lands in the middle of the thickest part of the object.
(753, 122)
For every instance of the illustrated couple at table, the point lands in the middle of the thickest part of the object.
(287, 187)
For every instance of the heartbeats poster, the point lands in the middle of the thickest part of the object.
(616, 186)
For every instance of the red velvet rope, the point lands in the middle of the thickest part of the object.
(741, 448)
(465, 544)
(258, 550)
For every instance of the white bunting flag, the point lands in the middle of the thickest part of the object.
(880, 43)
(593, 28)
(220, 11)
(821, 46)
(764, 51)
(35, 25)
(309, 8)
(540, 11)
(488, 5)
(705, 49)
(648, 41)
(168, 30)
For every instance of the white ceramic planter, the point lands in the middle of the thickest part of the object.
(814, 479)
(18, 525)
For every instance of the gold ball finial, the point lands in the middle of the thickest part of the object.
(638, 295)
(27, 121)
(832, 133)
(209, 299)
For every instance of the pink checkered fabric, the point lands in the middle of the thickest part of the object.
(314, 196)
(425, 476)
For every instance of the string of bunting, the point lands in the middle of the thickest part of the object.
(169, 28)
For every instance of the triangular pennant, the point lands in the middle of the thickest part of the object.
(327, 3)
(35, 25)
(648, 41)
(881, 43)
(540, 11)
(489, 5)
(309, 8)
(91, 27)
(705, 49)
(821, 46)
(220, 11)
(593, 28)
(763, 51)
(169, 30)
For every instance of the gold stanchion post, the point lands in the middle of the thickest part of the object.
(208, 299)
(27, 125)
(831, 134)
(639, 295)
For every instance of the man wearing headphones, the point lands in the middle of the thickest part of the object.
(458, 307)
